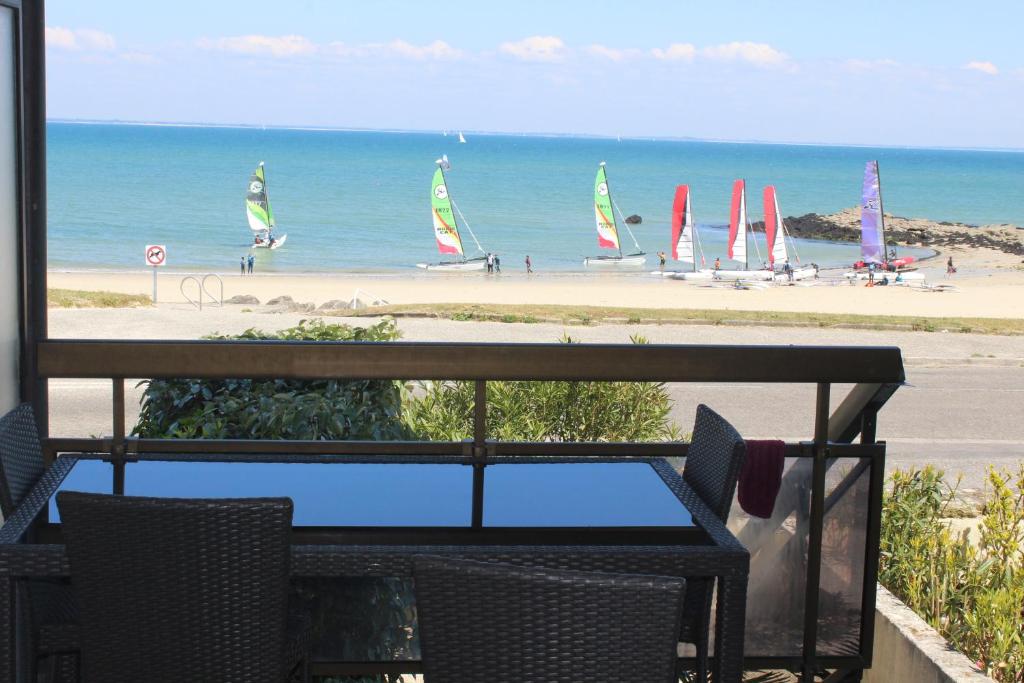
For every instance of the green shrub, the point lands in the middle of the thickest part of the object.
(973, 595)
(278, 409)
(545, 411)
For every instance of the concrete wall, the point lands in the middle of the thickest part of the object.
(9, 229)
(908, 650)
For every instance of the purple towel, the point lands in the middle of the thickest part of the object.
(761, 477)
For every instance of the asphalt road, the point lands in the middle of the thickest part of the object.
(963, 408)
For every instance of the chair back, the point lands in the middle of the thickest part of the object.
(173, 590)
(21, 457)
(506, 624)
(714, 460)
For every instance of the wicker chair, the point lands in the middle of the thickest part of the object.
(51, 608)
(505, 624)
(175, 590)
(713, 463)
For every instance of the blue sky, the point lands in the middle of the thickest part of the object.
(896, 73)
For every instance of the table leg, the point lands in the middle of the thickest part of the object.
(7, 616)
(729, 630)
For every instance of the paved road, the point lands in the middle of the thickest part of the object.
(963, 409)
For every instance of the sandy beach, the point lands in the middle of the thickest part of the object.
(988, 284)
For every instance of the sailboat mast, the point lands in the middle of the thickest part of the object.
(881, 215)
(266, 193)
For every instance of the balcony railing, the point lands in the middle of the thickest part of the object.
(823, 537)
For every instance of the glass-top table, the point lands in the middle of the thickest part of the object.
(599, 494)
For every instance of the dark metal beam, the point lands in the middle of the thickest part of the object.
(417, 360)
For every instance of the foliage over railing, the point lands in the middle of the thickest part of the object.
(971, 593)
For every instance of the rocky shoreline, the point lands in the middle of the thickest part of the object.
(844, 226)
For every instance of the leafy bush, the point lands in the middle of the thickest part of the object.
(278, 409)
(545, 411)
(972, 594)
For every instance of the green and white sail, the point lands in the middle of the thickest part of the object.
(446, 230)
(607, 234)
(257, 202)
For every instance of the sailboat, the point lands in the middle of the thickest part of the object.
(259, 213)
(446, 228)
(872, 232)
(607, 230)
(738, 228)
(684, 234)
(462, 138)
(776, 235)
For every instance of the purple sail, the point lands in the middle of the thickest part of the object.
(872, 238)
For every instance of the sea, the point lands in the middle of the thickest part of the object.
(358, 201)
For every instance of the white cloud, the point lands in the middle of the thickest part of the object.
(435, 50)
(758, 54)
(276, 46)
(684, 52)
(138, 57)
(79, 39)
(536, 49)
(984, 67)
(613, 53)
(866, 65)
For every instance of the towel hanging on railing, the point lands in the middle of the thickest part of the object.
(761, 477)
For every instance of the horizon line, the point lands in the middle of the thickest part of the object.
(543, 134)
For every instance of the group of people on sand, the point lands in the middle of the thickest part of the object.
(494, 263)
(247, 262)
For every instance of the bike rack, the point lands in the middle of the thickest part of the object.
(202, 289)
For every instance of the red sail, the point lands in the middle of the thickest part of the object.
(738, 189)
(678, 214)
(770, 221)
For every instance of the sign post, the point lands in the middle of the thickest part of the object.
(156, 256)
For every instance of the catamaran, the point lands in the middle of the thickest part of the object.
(776, 236)
(259, 213)
(446, 228)
(739, 225)
(462, 138)
(872, 232)
(684, 234)
(607, 230)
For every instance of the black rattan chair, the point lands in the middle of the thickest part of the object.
(713, 462)
(174, 590)
(51, 608)
(505, 624)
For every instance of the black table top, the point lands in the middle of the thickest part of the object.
(563, 495)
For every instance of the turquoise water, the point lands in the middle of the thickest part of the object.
(359, 200)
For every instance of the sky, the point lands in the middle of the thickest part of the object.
(898, 72)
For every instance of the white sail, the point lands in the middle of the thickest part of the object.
(779, 254)
(462, 138)
(738, 222)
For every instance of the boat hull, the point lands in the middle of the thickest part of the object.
(694, 275)
(278, 243)
(798, 274)
(755, 275)
(612, 262)
(469, 265)
(891, 277)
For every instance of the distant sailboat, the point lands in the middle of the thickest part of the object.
(607, 230)
(446, 227)
(260, 214)
(738, 228)
(462, 138)
(775, 235)
(684, 235)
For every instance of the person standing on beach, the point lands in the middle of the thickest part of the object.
(252, 260)
(529, 265)
(661, 261)
(950, 269)
(718, 263)
(497, 263)
(871, 273)
(243, 265)
(490, 262)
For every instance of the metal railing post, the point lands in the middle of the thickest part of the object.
(817, 517)
(479, 450)
(117, 448)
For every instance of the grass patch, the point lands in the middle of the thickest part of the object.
(77, 298)
(595, 315)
